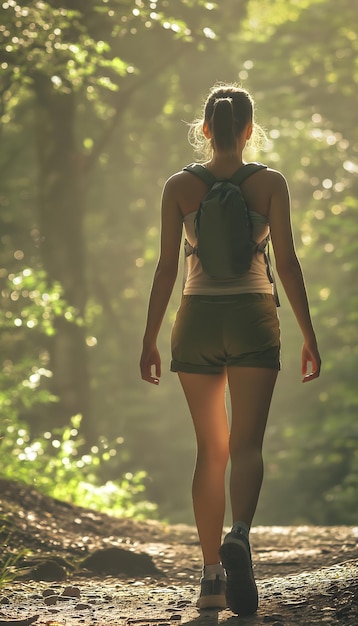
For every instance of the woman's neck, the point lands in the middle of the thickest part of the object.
(224, 164)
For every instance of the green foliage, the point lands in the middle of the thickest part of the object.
(55, 465)
(27, 300)
(29, 308)
(54, 462)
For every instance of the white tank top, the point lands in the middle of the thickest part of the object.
(253, 281)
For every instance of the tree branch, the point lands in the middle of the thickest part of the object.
(121, 105)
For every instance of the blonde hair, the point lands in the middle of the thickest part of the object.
(227, 110)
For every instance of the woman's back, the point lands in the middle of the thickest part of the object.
(257, 190)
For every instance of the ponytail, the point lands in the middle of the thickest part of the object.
(222, 124)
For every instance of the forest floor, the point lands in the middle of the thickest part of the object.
(77, 567)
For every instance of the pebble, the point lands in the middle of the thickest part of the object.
(182, 603)
(72, 592)
(81, 605)
(49, 592)
(51, 599)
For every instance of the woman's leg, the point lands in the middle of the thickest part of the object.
(205, 394)
(251, 391)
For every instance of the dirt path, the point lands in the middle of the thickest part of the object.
(306, 575)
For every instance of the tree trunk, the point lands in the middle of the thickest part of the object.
(61, 216)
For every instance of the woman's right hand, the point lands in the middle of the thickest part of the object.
(150, 359)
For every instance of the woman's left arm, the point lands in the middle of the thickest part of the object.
(164, 280)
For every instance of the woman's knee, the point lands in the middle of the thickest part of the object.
(245, 450)
(214, 452)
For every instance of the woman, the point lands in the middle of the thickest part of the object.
(226, 333)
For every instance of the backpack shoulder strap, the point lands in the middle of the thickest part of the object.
(245, 171)
(201, 172)
(240, 175)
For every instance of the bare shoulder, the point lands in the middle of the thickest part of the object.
(271, 180)
(185, 190)
(176, 181)
(175, 186)
(274, 186)
(276, 178)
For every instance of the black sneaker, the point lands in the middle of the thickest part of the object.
(212, 594)
(241, 590)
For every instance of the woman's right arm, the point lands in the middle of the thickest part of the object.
(290, 273)
(163, 282)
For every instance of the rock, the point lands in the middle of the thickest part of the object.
(49, 592)
(116, 561)
(19, 622)
(49, 570)
(182, 603)
(81, 605)
(50, 600)
(72, 592)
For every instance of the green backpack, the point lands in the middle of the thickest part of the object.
(223, 226)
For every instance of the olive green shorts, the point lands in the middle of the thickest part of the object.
(211, 333)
